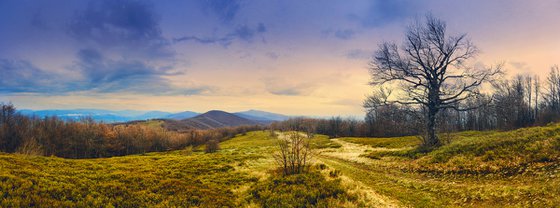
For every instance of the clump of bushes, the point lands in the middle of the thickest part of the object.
(309, 189)
(321, 166)
(212, 146)
(334, 173)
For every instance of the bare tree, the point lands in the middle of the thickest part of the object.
(294, 153)
(551, 96)
(537, 86)
(430, 70)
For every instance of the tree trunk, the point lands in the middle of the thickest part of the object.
(433, 107)
(432, 140)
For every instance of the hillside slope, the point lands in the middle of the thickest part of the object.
(517, 168)
(182, 115)
(216, 119)
(258, 115)
(185, 178)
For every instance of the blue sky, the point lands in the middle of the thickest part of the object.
(292, 57)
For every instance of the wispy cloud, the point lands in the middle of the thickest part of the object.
(102, 74)
(272, 55)
(346, 102)
(96, 74)
(520, 66)
(126, 24)
(343, 34)
(225, 10)
(241, 32)
(99, 69)
(383, 12)
(359, 54)
(22, 76)
(280, 86)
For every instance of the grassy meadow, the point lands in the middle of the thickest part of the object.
(517, 168)
(184, 178)
(475, 169)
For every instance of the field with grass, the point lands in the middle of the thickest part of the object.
(474, 169)
(241, 174)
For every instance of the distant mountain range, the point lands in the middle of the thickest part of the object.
(108, 116)
(261, 116)
(182, 115)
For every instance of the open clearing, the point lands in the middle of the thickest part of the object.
(477, 169)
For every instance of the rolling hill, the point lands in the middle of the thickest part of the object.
(216, 119)
(182, 115)
(258, 115)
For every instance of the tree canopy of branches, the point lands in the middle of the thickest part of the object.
(430, 71)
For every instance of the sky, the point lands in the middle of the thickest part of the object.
(285, 56)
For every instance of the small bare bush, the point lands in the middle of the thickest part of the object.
(187, 150)
(30, 147)
(294, 153)
(273, 133)
(212, 146)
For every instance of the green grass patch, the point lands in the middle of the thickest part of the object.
(130, 181)
(392, 142)
(523, 150)
(322, 142)
(301, 190)
(183, 178)
(519, 168)
(254, 139)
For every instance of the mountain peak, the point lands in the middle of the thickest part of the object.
(214, 112)
(216, 119)
(182, 115)
(262, 115)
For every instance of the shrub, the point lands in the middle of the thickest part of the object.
(187, 150)
(212, 146)
(30, 147)
(294, 153)
(556, 144)
(301, 190)
(334, 173)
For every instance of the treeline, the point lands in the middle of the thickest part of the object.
(335, 127)
(514, 103)
(89, 139)
(521, 101)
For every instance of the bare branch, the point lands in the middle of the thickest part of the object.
(429, 69)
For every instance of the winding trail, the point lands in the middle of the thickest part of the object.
(356, 172)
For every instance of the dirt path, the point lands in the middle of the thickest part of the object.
(347, 160)
(357, 178)
(348, 151)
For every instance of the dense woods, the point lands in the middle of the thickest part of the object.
(520, 101)
(88, 139)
